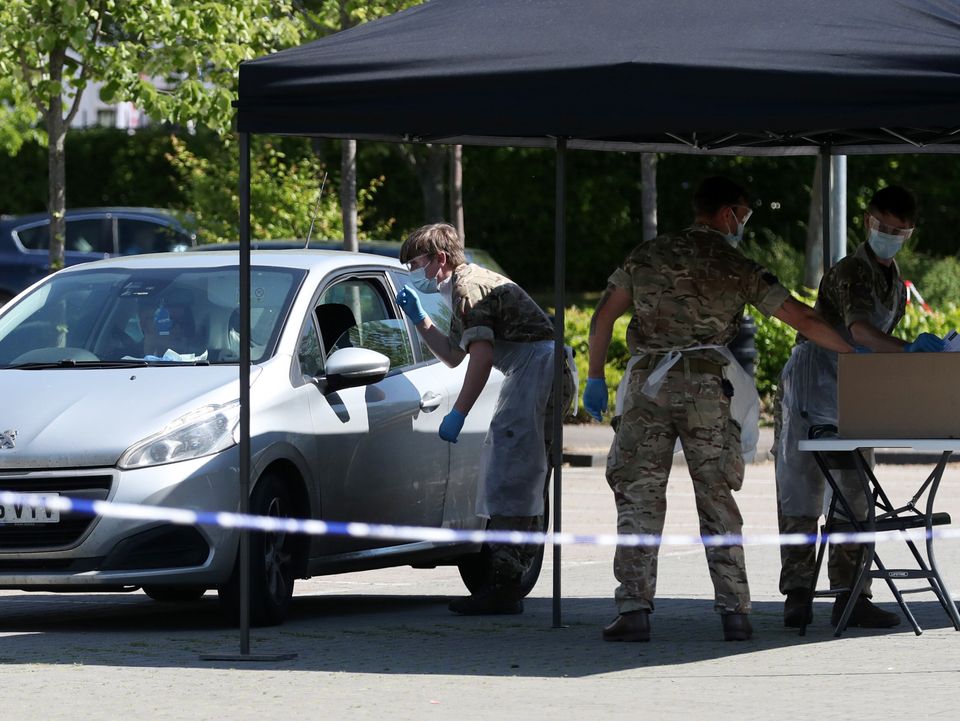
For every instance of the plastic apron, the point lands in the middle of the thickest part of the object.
(744, 406)
(513, 464)
(809, 387)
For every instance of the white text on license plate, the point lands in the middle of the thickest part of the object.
(21, 513)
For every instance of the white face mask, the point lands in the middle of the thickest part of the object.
(422, 283)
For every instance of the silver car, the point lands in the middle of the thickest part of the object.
(119, 381)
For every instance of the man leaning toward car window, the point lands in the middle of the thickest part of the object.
(497, 325)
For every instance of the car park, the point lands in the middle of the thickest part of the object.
(120, 383)
(91, 234)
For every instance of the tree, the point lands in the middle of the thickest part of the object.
(51, 50)
(324, 17)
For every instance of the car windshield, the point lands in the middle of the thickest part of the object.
(144, 316)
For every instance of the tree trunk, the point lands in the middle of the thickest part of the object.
(648, 194)
(56, 166)
(427, 161)
(813, 262)
(348, 193)
(456, 190)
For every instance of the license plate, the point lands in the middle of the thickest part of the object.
(23, 514)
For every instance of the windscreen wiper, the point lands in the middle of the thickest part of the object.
(70, 363)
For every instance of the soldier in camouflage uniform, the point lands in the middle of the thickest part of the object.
(499, 326)
(863, 298)
(687, 292)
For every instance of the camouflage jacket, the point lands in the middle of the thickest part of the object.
(859, 288)
(690, 289)
(488, 306)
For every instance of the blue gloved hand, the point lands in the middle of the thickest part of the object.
(595, 397)
(861, 349)
(451, 425)
(409, 303)
(925, 343)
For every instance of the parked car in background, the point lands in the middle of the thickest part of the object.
(389, 248)
(92, 234)
(119, 381)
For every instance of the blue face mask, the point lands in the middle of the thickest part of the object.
(422, 283)
(735, 238)
(884, 245)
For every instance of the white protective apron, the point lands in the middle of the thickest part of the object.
(809, 398)
(513, 464)
(744, 406)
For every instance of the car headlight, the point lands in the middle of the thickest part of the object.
(202, 432)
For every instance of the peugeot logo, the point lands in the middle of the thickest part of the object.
(8, 439)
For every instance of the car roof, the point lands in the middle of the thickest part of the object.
(165, 213)
(322, 261)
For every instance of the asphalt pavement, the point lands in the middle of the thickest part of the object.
(382, 644)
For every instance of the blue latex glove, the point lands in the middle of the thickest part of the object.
(595, 397)
(861, 349)
(409, 303)
(925, 343)
(451, 425)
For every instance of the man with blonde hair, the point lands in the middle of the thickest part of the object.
(497, 325)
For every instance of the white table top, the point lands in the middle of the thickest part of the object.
(850, 444)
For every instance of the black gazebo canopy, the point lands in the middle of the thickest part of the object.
(776, 76)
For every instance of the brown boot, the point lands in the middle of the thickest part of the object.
(736, 627)
(629, 626)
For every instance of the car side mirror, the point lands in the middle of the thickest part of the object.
(350, 367)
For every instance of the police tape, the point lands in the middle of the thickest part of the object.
(16, 502)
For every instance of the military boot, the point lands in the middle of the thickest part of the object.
(629, 626)
(736, 627)
(495, 600)
(865, 614)
(797, 610)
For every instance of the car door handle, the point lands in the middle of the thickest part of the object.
(430, 401)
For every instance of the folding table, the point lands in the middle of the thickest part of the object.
(883, 515)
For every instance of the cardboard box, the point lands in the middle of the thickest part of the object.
(899, 395)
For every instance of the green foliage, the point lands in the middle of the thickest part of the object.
(50, 49)
(576, 323)
(774, 341)
(284, 182)
(940, 285)
(939, 322)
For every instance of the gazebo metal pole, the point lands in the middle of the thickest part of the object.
(244, 389)
(244, 445)
(826, 168)
(559, 294)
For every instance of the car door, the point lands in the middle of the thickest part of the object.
(380, 458)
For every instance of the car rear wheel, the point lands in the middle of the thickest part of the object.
(476, 569)
(175, 594)
(272, 560)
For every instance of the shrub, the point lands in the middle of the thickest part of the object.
(940, 285)
(577, 334)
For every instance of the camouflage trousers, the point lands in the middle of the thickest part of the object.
(694, 407)
(508, 561)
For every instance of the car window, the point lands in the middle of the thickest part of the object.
(142, 236)
(85, 235)
(147, 313)
(355, 313)
(434, 305)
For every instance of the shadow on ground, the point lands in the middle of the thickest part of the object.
(396, 634)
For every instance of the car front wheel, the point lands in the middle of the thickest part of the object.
(272, 560)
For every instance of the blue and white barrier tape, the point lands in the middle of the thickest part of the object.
(223, 519)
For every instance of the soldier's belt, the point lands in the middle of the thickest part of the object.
(695, 365)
